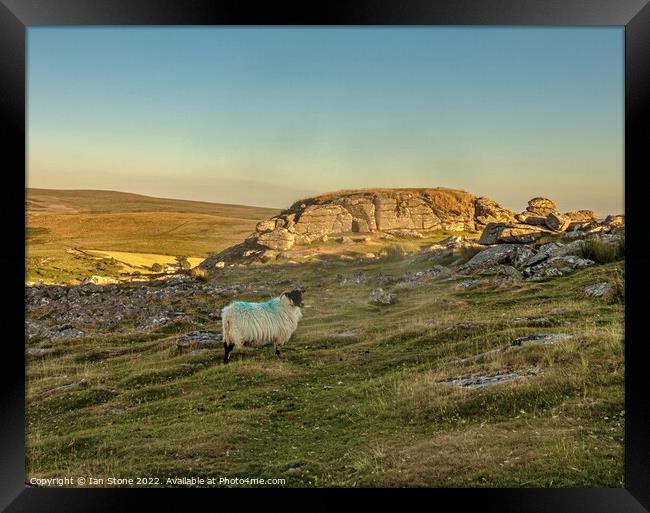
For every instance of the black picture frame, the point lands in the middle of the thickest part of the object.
(17, 15)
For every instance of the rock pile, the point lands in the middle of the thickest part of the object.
(542, 218)
(382, 213)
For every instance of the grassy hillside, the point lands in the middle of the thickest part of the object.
(63, 225)
(358, 397)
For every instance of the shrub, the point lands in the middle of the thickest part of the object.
(617, 292)
(200, 274)
(393, 253)
(156, 268)
(182, 263)
(603, 252)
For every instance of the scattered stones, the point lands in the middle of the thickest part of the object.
(452, 302)
(469, 284)
(554, 249)
(34, 330)
(381, 297)
(557, 266)
(100, 280)
(415, 279)
(348, 334)
(599, 289)
(407, 234)
(537, 339)
(356, 278)
(67, 332)
(540, 322)
(39, 351)
(200, 338)
(110, 308)
(481, 381)
(69, 386)
(220, 265)
(466, 325)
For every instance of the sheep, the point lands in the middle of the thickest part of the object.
(258, 324)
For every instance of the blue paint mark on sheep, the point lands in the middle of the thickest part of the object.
(246, 306)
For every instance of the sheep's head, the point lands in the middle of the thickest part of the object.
(295, 296)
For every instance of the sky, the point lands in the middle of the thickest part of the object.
(265, 116)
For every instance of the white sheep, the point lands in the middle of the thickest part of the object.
(258, 324)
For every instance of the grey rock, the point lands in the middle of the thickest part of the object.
(482, 381)
(356, 278)
(541, 322)
(466, 325)
(557, 222)
(557, 266)
(488, 211)
(381, 297)
(598, 289)
(200, 338)
(67, 332)
(540, 339)
(554, 249)
(469, 284)
(495, 233)
(502, 274)
(581, 215)
(348, 334)
(39, 351)
(541, 206)
(512, 254)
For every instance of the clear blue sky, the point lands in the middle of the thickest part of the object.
(264, 116)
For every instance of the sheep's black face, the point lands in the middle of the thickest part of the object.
(296, 297)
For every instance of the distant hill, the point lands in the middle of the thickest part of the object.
(62, 201)
(68, 231)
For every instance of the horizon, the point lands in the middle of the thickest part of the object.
(266, 116)
(521, 208)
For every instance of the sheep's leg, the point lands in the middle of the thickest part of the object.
(227, 349)
(277, 351)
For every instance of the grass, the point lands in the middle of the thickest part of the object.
(602, 252)
(366, 409)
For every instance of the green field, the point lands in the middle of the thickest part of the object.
(357, 398)
(63, 225)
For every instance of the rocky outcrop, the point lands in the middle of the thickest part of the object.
(382, 213)
(392, 214)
